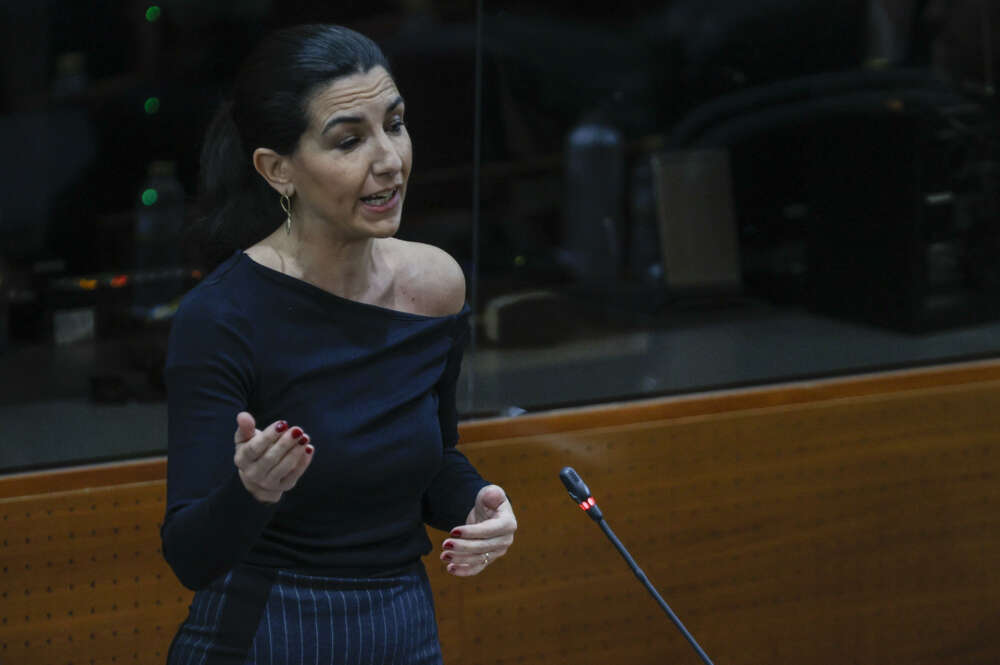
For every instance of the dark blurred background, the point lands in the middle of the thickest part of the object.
(648, 198)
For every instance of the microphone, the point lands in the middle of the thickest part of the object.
(580, 493)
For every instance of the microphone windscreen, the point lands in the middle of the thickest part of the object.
(577, 489)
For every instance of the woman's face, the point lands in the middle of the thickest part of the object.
(352, 164)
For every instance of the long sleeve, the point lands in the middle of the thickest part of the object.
(211, 520)
(453, 490)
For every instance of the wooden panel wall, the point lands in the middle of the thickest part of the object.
(847, 521)
(856, 529)
(82, 579)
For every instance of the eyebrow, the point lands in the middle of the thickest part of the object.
(332, 122)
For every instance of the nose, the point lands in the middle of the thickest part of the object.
(388, 159)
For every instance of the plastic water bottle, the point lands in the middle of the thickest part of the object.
(593, 225)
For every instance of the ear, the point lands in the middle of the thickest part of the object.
(275, 168)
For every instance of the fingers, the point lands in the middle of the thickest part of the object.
(491, 516)
(490, 498)
(504, 523)
(460, 547)
(282, 459)
(245, 427)
(486, 536)
(255, 447)
(290, 479)
(464, 564)
(468, 568)
(274, 459)
(491, 502)
(477, 547)
(465, 550)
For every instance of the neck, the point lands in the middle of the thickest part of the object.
(349, 268)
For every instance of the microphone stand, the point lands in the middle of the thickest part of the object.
(652, 590)
(580, 493)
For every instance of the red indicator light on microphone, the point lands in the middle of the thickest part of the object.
(584, 505)
(590, 501)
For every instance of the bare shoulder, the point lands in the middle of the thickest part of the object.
(428, 280)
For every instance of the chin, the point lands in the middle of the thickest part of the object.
(386, 228)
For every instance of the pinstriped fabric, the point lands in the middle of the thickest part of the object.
(310, 620)
(190, 647)
(270, 656)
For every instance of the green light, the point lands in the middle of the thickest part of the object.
(152, 105)
(153, 14)
(150, 196)
(519, 261)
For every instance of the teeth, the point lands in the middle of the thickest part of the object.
(379, 198)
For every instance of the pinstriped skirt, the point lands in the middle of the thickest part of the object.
(275, 617)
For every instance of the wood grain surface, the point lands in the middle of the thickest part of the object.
(847, 521)
(861, 530)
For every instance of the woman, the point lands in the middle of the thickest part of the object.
(336, 348)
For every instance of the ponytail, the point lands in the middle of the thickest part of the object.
(236, 207)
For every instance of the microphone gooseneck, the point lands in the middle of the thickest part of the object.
(580, 493)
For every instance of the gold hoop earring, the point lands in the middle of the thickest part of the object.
(286, 205)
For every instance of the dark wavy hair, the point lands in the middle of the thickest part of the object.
(267, 109)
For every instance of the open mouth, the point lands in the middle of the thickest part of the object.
(381, 198)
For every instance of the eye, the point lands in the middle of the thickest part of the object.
(348, 143)
(396, 126)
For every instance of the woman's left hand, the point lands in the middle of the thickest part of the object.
(488, 532)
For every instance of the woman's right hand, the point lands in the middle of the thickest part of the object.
(270, 461)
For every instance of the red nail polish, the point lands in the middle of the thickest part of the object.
(449, 545)
(304, 440)
(451, 567)
(296, 432)
(281, 426)
(447, 556)
(456, 533)
(309, 450)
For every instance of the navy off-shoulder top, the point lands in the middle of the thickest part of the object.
(373, 387)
